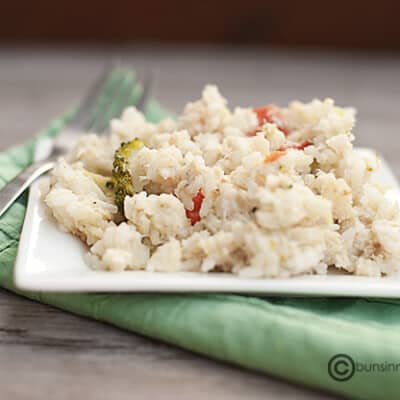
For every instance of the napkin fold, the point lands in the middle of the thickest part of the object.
(347, 346)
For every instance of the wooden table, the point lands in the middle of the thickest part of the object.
(47, 353)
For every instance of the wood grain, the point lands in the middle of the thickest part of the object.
(47, 353)
(345, 23)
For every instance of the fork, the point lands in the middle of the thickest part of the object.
(115, 89)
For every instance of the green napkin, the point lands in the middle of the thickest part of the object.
(292, 338)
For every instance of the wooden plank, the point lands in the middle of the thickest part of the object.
(349, 23)
(46, 353)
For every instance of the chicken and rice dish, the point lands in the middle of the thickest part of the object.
(267, 192)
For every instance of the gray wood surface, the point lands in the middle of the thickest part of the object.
(46, 353)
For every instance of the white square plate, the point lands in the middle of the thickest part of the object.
(52, 260)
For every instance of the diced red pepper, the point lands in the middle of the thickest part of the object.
(300, 146)
(274, 156)
(194, 215)
(266, 113)
(272, 114)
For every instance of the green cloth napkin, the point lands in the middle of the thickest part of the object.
(291, 338)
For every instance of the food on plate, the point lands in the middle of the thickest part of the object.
(262, 192)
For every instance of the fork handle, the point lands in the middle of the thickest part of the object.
(14, 188)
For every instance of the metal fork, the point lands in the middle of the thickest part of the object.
(114, 90)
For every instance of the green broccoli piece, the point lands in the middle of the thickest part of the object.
(121, 179)
(119, 185)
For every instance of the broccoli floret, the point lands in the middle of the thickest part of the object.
(121, 180)
(119, 185)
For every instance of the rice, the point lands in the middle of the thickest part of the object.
(78, 203)
(263, 192)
